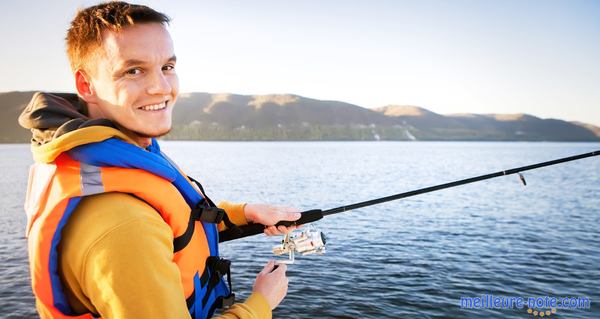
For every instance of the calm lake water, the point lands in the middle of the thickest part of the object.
(410, 258)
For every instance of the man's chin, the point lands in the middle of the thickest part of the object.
(153, 135)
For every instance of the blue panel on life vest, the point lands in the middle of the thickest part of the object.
(60, 299)
(114, 152)
(221, 290)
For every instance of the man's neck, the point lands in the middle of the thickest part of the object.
(141, 141)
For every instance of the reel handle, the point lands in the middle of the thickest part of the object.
(251, 229)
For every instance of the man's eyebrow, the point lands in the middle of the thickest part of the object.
(131, 62)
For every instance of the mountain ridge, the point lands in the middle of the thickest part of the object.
(228, 116)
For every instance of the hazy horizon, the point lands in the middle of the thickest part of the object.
(506, 57)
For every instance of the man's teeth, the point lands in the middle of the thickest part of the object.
(154, 107)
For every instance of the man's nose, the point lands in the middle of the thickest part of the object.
(159, 84)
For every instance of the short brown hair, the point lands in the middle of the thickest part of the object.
(85, 34)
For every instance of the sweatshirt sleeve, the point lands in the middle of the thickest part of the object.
(255, 307)
(235, 212)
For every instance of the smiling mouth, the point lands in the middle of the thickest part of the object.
(154, 107)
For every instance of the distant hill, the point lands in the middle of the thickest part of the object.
(592, 128)
(259, 111)
(11, 105)
(206, 116)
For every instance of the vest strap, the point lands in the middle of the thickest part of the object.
(228, 301)
(200, 213)
(218, 264)
(218, 267)
(233, 227)
(213, 215)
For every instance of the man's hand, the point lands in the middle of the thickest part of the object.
(269, 215)
(272, 283)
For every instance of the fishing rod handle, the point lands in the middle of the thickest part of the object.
(251, 229)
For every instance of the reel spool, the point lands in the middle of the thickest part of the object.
(310, 241)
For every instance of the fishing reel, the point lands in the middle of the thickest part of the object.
(305, 242)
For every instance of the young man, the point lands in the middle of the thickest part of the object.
(115, 229)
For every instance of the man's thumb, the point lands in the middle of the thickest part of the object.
(268, 267)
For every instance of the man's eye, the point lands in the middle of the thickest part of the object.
(134, 71)
(168, 67)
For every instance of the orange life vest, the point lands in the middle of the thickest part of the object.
(56, 188)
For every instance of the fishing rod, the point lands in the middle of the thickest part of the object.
(316, 214)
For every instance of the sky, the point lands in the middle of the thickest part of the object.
(540, 57)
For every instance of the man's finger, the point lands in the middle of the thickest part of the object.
(285, 230)
(271, 231)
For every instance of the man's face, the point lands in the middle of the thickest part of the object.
(134, 80)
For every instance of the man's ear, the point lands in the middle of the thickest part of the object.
(84, 87)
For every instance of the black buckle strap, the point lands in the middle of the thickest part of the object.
(222, 302)
(203, 213)
(228, 301)
(213, 215)
(219, 267)
(206, 210)
(209, 203)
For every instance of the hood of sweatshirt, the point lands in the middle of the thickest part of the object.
(59, 122)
